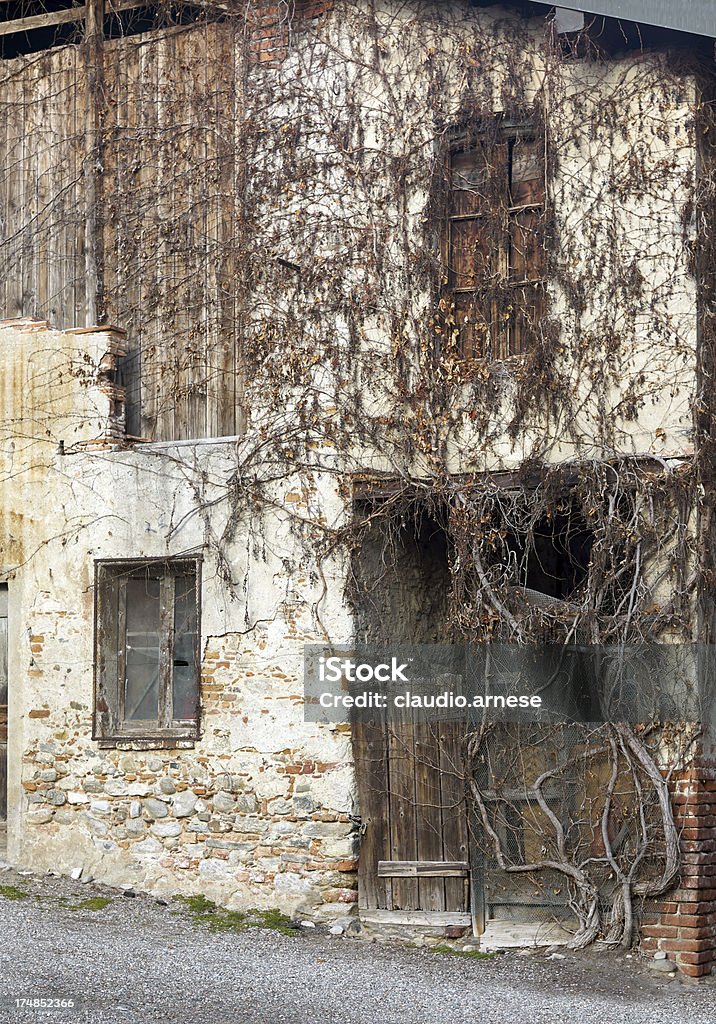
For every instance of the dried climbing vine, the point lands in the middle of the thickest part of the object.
(364, 364)
(350, 363)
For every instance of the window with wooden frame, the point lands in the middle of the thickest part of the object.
(494, 241)
(147, 651)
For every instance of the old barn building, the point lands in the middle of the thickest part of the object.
(378, 321)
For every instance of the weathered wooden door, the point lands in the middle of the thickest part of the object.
(414, 856)
(513, 758)
(3, 701)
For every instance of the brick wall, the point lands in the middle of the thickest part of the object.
(270, 25)
(683, 925)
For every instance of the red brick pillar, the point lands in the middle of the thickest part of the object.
(683, 924)
(269, 24)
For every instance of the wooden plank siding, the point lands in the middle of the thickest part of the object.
(42, 219)
(156, 187)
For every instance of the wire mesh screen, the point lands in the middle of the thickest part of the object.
(568, 816)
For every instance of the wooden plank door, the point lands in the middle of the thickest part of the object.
(514, 758)
(413, 864)
(3, 701)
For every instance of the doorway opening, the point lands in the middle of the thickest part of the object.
(414, 869)
(425, 862)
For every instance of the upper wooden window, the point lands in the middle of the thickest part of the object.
(494, 245)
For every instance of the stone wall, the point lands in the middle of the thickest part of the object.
(171, 823)
(255, 812)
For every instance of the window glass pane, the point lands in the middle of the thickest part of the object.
(469, 252)
(526, 249)
(184, 683)
(527, 172)
(141, 701)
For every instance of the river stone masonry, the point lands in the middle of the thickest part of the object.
(254, 838)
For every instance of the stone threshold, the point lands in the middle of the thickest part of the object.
(421, 928)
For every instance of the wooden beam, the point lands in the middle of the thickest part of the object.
(9, 28)
(416, 918)
(422, 868)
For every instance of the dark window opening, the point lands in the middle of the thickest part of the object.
(554, 560)
(147, 649)
(552, 564)
(548, 559)
(402, 583)
(150, 17)
(38, 26)
(401, 580)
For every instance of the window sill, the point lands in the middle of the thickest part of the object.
(500, 365)
(146, 743)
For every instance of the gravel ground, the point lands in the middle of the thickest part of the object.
(137, 960)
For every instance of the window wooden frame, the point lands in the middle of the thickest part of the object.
(494, 300)
(111, 724)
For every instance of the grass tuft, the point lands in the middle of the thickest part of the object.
(11, 892)
(92, 903)
(473, 954)
(218, 919)
(197, 904)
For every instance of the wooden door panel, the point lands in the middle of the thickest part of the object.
(402, 810)
(414, 850)
(371, 761)
(454, 810)
(428, 811)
